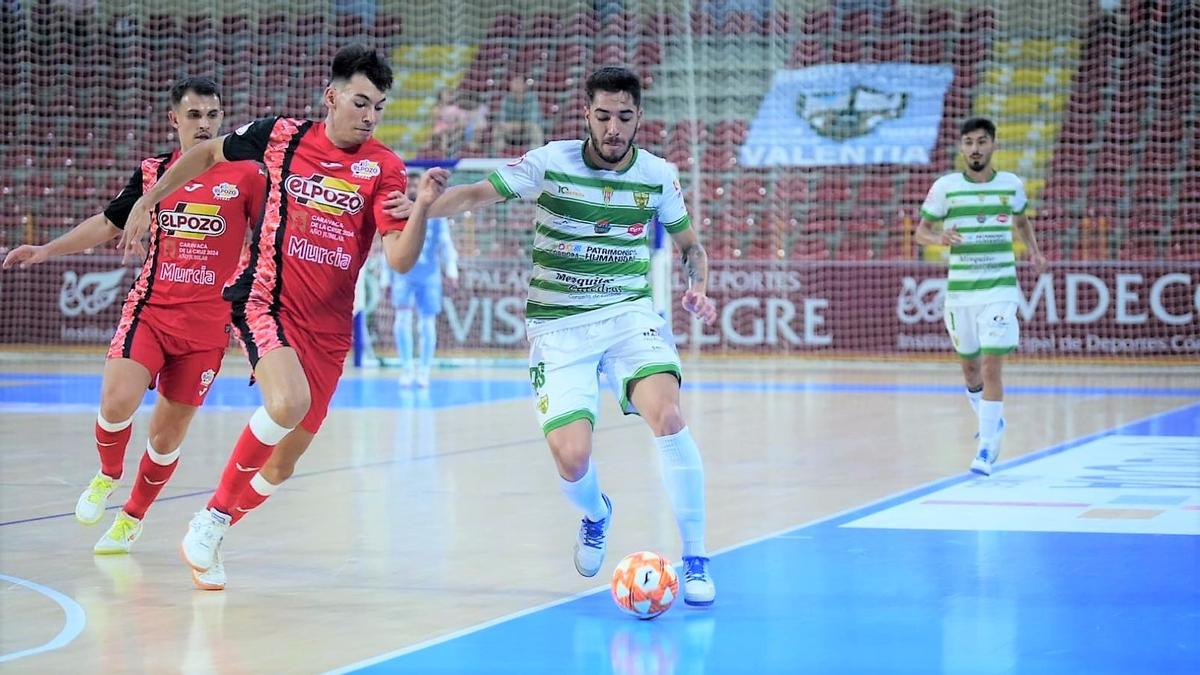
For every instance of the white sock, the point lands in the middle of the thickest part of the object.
(683, 476)
(265, 429)
(975, 397)
(402, 330)
(113, 427)
(263, 486)
(585, 494)
(990, 413)
(163, 459)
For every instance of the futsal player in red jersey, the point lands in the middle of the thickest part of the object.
(293, 295)
(173, 329)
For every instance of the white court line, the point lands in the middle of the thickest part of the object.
(72, 627)
(1059, 447)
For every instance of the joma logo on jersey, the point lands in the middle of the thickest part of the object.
(192, 221)
(323, 193)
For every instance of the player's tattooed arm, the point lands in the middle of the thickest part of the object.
(695, 266)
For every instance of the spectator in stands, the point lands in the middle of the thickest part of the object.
(476, 122)
(520, 122)
(449, 121)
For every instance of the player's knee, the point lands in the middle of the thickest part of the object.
(114, 408)
(287, 408)
(665, 420)
(572, 457)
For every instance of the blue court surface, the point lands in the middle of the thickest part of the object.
(25, 392)
(1082, 558)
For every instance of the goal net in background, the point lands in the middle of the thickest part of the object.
(806, 134)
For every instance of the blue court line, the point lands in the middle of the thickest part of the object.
(41, 393)
(75, 621)
(494, 641)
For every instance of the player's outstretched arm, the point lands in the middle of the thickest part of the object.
(194, 162)
(90, 233)
(695, 270)
(403, 247)
(925, 235)
(456, 200)
(1024, 228)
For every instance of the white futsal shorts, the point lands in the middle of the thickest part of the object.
(565, 365)
(983, 329)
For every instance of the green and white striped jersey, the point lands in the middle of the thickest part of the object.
(591, 243)
(983, 268)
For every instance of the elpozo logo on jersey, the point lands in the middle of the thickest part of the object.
(324, 193)
(365, 169)
(192, 221)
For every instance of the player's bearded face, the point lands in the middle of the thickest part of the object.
(196, 118)
(977, 148)
(613, 121)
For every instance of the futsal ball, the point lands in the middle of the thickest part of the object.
(644, 584)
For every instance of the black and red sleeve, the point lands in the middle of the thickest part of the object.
(118, 209)
(250, 140)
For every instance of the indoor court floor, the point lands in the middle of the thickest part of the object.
(424, 532)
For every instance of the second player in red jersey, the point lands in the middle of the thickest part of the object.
(172, 333)
(293, 295)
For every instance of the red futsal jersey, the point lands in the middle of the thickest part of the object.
(196, 236)
(324, 205)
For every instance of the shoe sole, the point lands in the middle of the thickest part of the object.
(89, 522)
(582, 573)
(981, 469)
(113, 552)
(203, 585)
(698, 603)
(184, 558)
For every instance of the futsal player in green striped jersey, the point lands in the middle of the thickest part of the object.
(589, 308)
(979, 209)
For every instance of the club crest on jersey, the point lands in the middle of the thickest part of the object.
(636, 230)
(641, 199)
(325, 193)
(192, 221)
(602, 227)
(981, 218)
(1002, 218)
(225, 192)
(608, 195)
(365, 169)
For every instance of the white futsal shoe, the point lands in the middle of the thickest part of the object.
(698, 587)
(120, 535)
(592, 542)
(212, 579)
(203, 539)
(94, 500)
(988, 453)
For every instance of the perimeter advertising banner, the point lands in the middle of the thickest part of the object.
(1122, 309)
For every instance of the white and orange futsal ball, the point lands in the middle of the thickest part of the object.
(644, 584)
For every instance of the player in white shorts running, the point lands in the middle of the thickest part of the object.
(979, 209)
(589, 308)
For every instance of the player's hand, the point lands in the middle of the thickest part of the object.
(136, 227)
(696, 302)
(24, 256)
(398, 205)
(1039, 262)
(432, 185)
(950, 238)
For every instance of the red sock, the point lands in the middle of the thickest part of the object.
(251, 499)
(111, 446)
(151, 477)
(248, 457)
